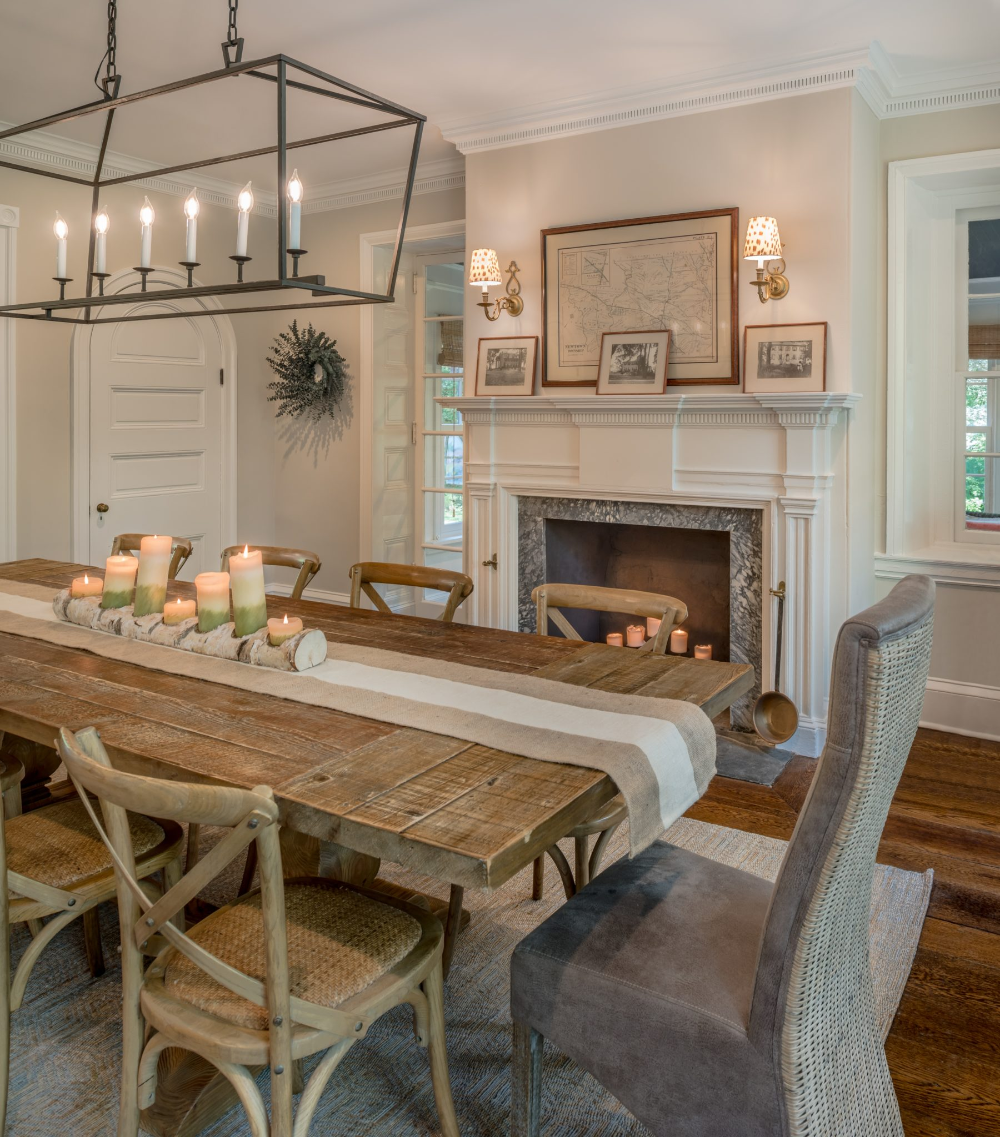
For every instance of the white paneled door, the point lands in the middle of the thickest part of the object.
(156, 437)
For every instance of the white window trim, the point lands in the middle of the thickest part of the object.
(9, 221)
(926, 197)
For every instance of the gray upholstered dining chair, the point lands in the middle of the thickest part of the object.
(708, 1000)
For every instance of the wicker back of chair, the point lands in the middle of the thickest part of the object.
(814, 1002)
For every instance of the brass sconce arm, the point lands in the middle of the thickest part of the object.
(771, 284)
(511, 303)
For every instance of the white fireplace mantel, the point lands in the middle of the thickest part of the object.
(782, 454)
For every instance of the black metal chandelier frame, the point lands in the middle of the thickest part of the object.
(57, 310)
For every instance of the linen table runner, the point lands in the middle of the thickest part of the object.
(659, 752)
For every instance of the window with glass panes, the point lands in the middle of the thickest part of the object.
(981, 381)
(438, 430)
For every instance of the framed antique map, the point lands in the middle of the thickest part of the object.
(676, 273)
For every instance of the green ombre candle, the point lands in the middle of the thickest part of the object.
(151, 583)
(119, 581)
(213, 599)
(249, 598)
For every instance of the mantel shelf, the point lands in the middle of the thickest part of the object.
(821, 408)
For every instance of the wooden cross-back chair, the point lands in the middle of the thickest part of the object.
(296, 968)
(549, 599)
(54, 867)
(277, 556)
(366, 574)
(181, 550)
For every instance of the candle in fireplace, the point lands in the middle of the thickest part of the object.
(703, 651)
(616, 639)
(679, 641)
(652, 625)
(635, 635)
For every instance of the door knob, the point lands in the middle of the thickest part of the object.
(101, 507)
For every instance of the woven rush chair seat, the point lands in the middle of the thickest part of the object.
(339, 942)
(58, 845)
(299, 967)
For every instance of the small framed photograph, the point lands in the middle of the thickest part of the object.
(633, 363)
(506, 365)
(784, 357)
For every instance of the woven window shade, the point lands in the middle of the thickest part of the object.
(451, 353)
(984, 341)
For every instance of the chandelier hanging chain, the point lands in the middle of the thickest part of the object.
(112, 81)
(232, 49)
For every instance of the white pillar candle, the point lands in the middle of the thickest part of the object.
(119, 581)
(615, 639)
(249, 600)
(635, 635)
(177, 611)
(679, 641)
(61, 230)
(245, 204)
(280, 630)
(102, 223)
(146, 216)
(213, 599)
(652, 626)
(151, 583)
(192, 207)
(703, 651)
(294, 210)
(86, 586)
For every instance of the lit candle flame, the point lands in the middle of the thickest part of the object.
(86, 580)
(286, 619)
(246, 550)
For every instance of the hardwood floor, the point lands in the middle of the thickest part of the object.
(944, 1048)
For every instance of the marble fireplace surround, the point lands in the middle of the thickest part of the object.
(745, 561)
(779, 456)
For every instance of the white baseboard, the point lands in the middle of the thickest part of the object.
(962, 708)
(809, 739)
(320, 594)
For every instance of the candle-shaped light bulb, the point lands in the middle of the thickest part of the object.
(102, 223)
(192, 207)
(295, 190)
(61, 230)
(245, 204)
(146, 216)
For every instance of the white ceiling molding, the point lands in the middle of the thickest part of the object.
(52, 151)
(871, 70)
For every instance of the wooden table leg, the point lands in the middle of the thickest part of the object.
(452, 926)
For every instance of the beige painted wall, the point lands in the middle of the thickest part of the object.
(293, 486)
(788, 158)
(967, 627)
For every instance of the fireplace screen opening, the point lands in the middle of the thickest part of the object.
(692, 565)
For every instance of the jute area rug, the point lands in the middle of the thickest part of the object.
(66, 1045)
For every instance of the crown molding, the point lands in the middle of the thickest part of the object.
(66, 155)
(870, 70)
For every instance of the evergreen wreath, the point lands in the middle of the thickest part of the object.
(311, 373)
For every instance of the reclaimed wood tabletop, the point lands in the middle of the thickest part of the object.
(464, 813)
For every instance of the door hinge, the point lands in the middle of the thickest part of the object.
(413, 434)
(222, 377)
(415, 284)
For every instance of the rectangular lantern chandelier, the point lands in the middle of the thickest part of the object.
(288, 289)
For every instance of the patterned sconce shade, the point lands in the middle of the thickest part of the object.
(763, 242)
(485, 268)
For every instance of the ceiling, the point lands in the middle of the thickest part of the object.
(453, 60)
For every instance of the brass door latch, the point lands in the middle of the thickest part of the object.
(491, 563)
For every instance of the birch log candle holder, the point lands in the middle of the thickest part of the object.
(298, 653)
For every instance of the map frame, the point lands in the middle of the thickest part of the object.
(585, 249)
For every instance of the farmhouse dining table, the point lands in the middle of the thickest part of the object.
(351, 791)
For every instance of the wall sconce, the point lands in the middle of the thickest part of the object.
(764, 245)
(485, 272)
